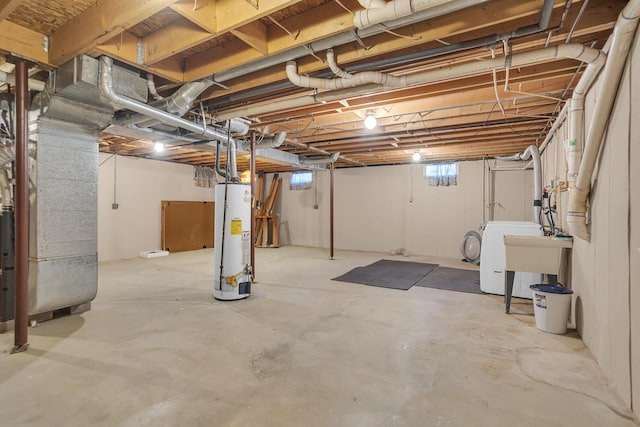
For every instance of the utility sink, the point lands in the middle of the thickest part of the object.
(536, 254)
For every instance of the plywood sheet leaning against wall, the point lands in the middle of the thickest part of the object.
(268, 223)
(187, 226)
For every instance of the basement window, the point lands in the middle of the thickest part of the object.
(301, 180)
(444, 174)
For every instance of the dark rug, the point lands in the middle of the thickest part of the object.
(388, 274)
(453, 279)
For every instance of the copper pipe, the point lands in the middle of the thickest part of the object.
(252, 174)
(22, 209)
(331, 211)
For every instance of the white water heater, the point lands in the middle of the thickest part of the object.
(232, 242)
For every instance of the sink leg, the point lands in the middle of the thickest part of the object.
(508, 289)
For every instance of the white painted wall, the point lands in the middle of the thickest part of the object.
(390, 207)
(141, 186)
(605, 272)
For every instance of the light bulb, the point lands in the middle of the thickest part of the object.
(370, 121)
(416, 156)
(159, 147)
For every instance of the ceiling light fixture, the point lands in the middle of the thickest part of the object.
(370, 120)
(159, 147)
(416, 156)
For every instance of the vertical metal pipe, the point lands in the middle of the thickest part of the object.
(252, 174)
(331, 210)
(22, 208)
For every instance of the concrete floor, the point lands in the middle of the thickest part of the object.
(156, 350)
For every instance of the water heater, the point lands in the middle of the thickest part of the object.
(232, 242)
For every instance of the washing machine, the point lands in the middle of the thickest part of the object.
(492, 258)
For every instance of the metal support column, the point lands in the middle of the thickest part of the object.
(22, 208)
(252, 174)
(331, 210)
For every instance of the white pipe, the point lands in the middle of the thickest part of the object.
(623, 33)
(10, 78)
(351, 80)
(331, 60)
(399, 10)
(570, 51)
(575, 140)
(372, 4)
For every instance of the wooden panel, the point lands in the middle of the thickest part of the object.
(187, 226)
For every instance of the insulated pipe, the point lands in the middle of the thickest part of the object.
(22, 210)
(178, 103)
(331, 60)
(326, 43)
(275, 142)
(396, 9)
(623, 34)
(372, 4)
(152, 88)
(105, 83)
(10, 78)
(349, 80)
(570, 51)
(344, 38)
(238, 126)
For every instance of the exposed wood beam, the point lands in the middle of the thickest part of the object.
(385, 45)
(124, 48)
(7, 7)
(319, 22)
(254, 34)
(23, 42)
(99, 23)
(231, 14)
(202, 13)
(174, 38)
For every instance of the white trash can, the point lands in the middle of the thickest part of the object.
(551, 307)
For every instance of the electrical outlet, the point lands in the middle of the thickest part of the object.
(114, 206)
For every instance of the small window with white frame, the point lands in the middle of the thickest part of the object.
(443, 174)
(301, 180)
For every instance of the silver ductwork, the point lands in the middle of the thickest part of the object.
(66, 120)
(320, 161)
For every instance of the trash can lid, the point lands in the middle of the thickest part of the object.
(552, 289)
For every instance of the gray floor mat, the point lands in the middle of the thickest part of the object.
(453, 279)
(388, 274)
